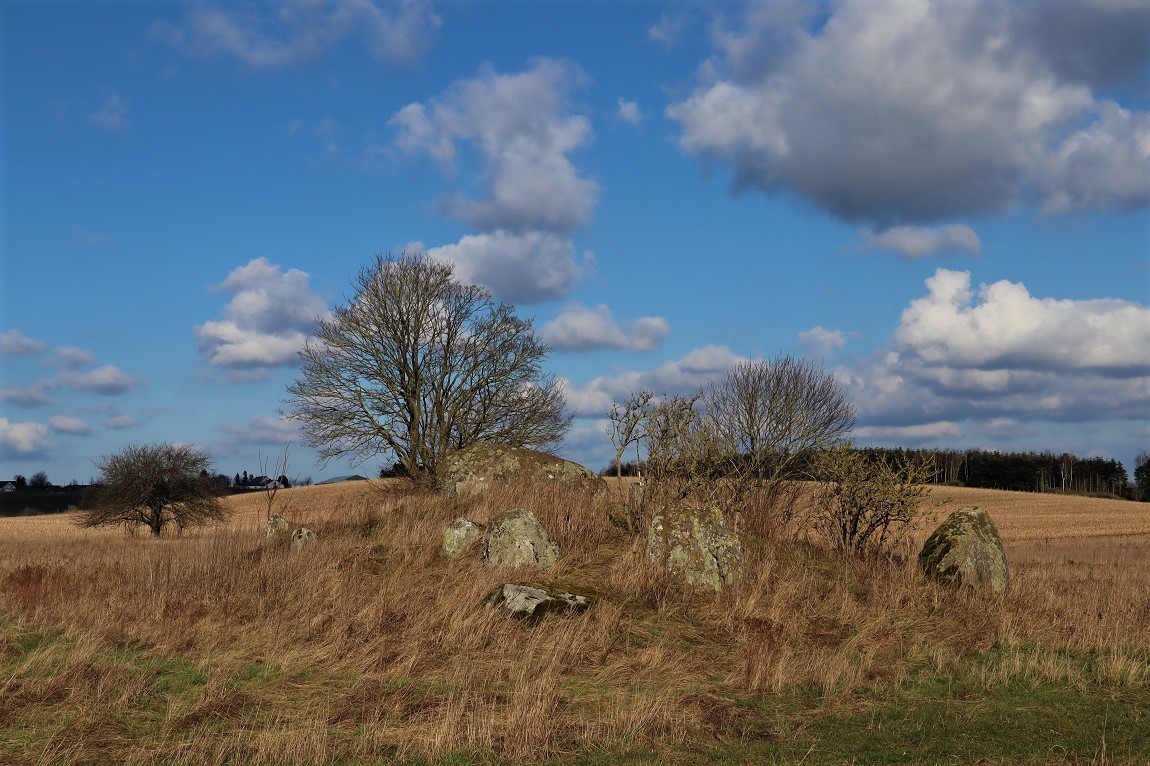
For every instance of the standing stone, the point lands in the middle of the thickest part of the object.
(302, 537)
(276, 525)
(695, 544)
(516, 538)
(966, 549)
(534, 601)
(482, 465)
(459, 536)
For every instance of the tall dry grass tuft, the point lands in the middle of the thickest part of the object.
(370, 644)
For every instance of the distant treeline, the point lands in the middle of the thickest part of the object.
(990, 469)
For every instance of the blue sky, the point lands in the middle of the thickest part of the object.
(945, 203)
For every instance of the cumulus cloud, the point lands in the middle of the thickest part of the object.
(120, 421)
(63, 424)
(73, 358)
(532, 194)
(921, 241)
(629, 112)
(679, 376)
(579, 328)
(529, 267)
(35, 395)
(523, 130)
(916, 434)
(1001, 357)
(910, 111)
(262, 431)
(14, 342)
(300, 30)
(1005, 328)
(112, 115)
(821, 339)
(267, 321)
(23, 440)
(108, 380)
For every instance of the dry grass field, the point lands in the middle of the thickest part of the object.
(370, 647)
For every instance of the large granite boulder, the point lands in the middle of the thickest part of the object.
(459, 536)
(532, 601)
(475, 468)
(695, 544)
(516, 538)
(966, 549)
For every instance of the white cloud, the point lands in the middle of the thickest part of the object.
(73, 358)
(262, 431)
(629, 112)
(13, 342)
(67, 425)
(120, 421)
(1007, 329)
(921, 241)
(269, 318)
(524, 134)
(23, 440)
(904, 111)
(299, 30)
(680, 376)
(112, 114)
(913, 434)
(579, 328)
(1005, 359)
(108, 380)
(27, 396)
(822, 339)
(668, 29)
(528, 267)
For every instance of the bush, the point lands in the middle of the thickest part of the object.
(866, 505)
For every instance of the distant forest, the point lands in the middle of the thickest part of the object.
(1017, 471)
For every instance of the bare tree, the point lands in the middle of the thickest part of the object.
(278, 477)
(774, 415)
(628, 427)
(1066, 469)
(416, 365)
(742, 442)
(863, 505)
(153, 486)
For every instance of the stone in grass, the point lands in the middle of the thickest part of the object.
(459, 536)
(516, 538)
(533, 601)
(966, 549)
(482, 465)
(696, 545)
(275, 526)
(302, 538)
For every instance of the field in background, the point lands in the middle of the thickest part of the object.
(372, 648)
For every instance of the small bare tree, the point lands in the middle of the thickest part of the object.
(278, 476)
(864, 505)
(154, 486)
(628, 428)
(774, 415)
(417, 364)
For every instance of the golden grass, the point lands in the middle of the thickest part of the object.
(370, 644)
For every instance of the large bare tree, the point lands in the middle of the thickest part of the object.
(417, 364)
(155, 485)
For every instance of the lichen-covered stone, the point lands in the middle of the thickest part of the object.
(966, 549)
(695, 544)
(516, 538)
(302, 538)
(479, 466)
(459, 536)
(532, 601)
(276, 525)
